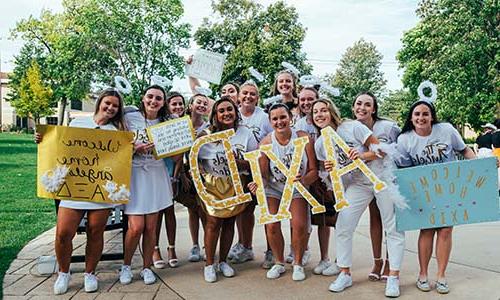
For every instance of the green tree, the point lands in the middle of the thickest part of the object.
(252, 36)
(396, 105)
(455, 45)
(35, 98)
(142, 38)
(359, 70)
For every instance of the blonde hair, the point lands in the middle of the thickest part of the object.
(252, 84)
(332, 108)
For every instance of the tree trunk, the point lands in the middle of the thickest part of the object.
(62, 109)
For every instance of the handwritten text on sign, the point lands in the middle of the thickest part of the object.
(171, 137)
(207, 66)
(448, 194)
(94, 157)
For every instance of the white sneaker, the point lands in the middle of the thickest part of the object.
(342, 282)
(126, 275)
(268, 260)
(298, 273)
(276, 271)
(148, 276)
(194, 254)
(90, 282)
(62, 283)
(306, 257)
(243, 256)
(236, 249)
(290, 256)
(392, 287)
(226, 269)
(331, 270)
(322, 265)
(210, 274)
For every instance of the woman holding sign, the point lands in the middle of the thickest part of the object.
(359, 191)
(218, 182)
(150, 187)
(423, 141)
(282, 141)
(108, 115)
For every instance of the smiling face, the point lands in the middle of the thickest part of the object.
(200, 105)
(321, 115)
(153, 101)
(280, 119)
(230, 91)
(109, 107)
(249, 96)
(226, 114)
(364, 108)
(421, 118)
(285, 83)
(306, 98)
(176, 105)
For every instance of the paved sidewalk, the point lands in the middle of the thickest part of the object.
(473, 272)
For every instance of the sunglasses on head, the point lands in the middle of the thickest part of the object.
(151, 96)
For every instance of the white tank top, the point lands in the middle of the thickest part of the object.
(285, 154)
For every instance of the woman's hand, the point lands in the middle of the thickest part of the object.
(329, 165)
(252, 187)
(353, 154)
(38, 137)
(297, 178)
(143, 148)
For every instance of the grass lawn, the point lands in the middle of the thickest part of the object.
(22, 215)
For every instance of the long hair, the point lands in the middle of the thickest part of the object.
(334, 113)
(234, 84)
(172, 95)
(214, 123)
(408, 126)
(375, 104)
(163, 114)
(275, 91)
(117, 120)
(188, 111)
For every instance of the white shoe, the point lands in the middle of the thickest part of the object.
(243, 256)
(392, 287)
(306, 257)
(322, 265)
(126, 275)
(194, 254)
(276, 271)
(90, 282)
(62, 283)
(342, 282)
(289, 258)
(268, 260)
(298, 273)
(236, 249)
(210, 274)
(226, 269)
(331, 270)
(148, 276)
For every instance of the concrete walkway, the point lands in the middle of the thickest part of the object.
(473, 272)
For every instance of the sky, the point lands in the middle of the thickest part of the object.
(332, 26)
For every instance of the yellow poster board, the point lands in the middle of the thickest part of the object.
(171, 137)
(84, 164)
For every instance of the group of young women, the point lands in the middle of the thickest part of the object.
(156, 183)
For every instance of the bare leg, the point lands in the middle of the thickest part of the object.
(425, 245)
(156, 251)
(247, 219)
(299, 210)
(376, 238)
(67, 223)
(149, 239)
(171, 228)
(194, 224)
(324, 239)
(96, 224)
(212, 232)
(443, 250)
(134, 232)
(226, 238)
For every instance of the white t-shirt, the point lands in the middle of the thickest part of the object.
(438, 147)
(303, 125)
(354, 133)
(258, 123)
(285, 155)
(213, 158)
(87, 122)
(137, 123)
(386, 131)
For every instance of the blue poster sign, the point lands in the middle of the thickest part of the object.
(448, 194)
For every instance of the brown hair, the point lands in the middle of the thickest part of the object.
(117, 120)
(214, 123)
(334, 113)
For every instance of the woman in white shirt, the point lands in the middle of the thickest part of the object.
(423, 141)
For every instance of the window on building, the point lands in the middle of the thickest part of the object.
(51, 120)
(76, 104)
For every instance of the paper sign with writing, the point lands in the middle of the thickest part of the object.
(171, 137)
(263, 215)
(207, 198)
(448, 194)
(331, 137)
(84, 164)
(207, 66)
